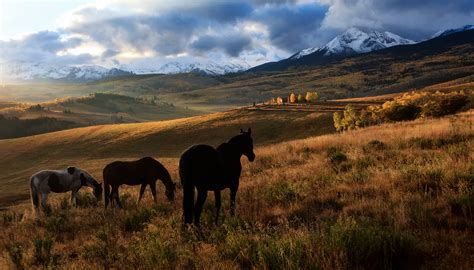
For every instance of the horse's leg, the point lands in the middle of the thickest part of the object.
(201, 198)
(217, 195)
(74, 198)
(44, 198)
(106, 193)
(153, 191)
(142, 190)
(233, 193)
(115, 195)
(188, 204)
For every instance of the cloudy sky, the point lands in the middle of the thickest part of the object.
(150, 32)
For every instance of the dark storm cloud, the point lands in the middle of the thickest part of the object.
(211, 26)
(167, 34)
(222, 12)
(49, 41)
(232, 45)
(42, 47)
(413, 19)
(292, 27)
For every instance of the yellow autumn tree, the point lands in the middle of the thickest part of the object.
(308, 97)
(315, 97)
(292, 98)
(300, 98)
(279, 100)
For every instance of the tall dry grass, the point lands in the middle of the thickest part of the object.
(395, 196)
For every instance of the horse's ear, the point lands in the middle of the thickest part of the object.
(71, 170)
(241, 131)
(249, 131)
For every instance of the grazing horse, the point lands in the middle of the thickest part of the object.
(60, 181)
(142, 172)
(208, 169)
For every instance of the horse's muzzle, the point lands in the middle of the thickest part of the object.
(251, 157)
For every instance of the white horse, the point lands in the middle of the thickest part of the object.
(60, 181)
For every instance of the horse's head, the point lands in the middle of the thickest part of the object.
(89, 180)
(170, 190)
(246, 144)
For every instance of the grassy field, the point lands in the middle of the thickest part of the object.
(92, 147)
(98, 108)
(395, 196)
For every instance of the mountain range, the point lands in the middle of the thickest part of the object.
(352, 42)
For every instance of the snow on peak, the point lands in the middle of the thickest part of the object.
(28, 71)
(175, 67)
(354, 41)
(443, 33)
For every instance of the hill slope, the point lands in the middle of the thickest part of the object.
(91, 147)
(391, 196)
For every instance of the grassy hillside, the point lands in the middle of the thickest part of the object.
(93, 147)
(135, 86)
(89, 110)
(390, 196)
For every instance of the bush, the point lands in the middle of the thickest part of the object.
(282, 193)
(399, 112)
(371, 247)
(336, 156)
(11, 217)
(42, 251)
(138, 219)
(375, 145)
(15, 252)
(103, 249)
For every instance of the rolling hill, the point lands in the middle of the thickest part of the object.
(93, 146)
(99, 108)
(389, 196)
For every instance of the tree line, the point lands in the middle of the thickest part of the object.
(309, 97)
(409, 106)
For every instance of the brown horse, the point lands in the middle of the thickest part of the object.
(142, 172)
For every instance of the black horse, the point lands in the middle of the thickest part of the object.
(210, 169)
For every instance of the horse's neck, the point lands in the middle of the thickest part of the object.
(165, 177)
(230, 152)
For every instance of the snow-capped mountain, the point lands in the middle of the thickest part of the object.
(354, 41)
(443, 33)
(27, 71)
(175, 67)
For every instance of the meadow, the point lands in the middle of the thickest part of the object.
(393, 196)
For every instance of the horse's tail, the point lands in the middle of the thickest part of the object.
(34, 193)
(188, 191)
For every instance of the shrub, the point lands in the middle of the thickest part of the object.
(281, 192)
(374, 144)
(336, 156)
(138, 219)
(42, 251)
(15, 252)
(156, 252)
(103, 249)
(86, 199)
(372, 247)
(11, 217)
(399, 112)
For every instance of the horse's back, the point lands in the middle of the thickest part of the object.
(129, 172)
(199, 162)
